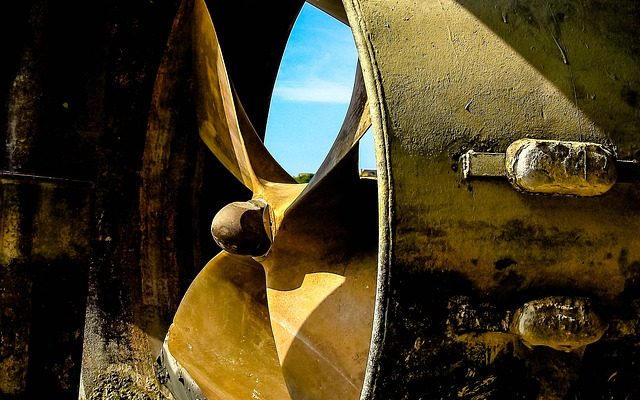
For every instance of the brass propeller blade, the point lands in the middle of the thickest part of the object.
(321, 271)
(221, 333)
(223, 124)
(227, 131)
(319, 275)
(321, 280)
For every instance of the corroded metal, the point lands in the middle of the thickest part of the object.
(441, 306)
(562, 323)
(449, 76)
(557, 167)
(169, 372)
(549, 167)
(478, 164)
(431, 300)
(44, 261)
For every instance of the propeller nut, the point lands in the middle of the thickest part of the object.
(243, 228)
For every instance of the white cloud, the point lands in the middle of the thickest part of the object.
(319, 61)
(315, 91)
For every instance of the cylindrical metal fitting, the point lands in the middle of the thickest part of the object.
(243, 228)
(560, 167)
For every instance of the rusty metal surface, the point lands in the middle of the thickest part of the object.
(550, 167)
(448, 247)
(475, 281)
(565, 324)
(87, 98)
(44, 260)
(563, 168)
(487, 74)
(479, 164)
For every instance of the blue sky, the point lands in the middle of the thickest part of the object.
(312, 93)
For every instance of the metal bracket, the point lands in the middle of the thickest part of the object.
(553, 167)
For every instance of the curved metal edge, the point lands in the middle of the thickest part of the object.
(30, 178)
(377, 107)
(344, 151)
(170, 373)
(234, 140)
(332, 7)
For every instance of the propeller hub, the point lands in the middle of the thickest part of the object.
(243, 228)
